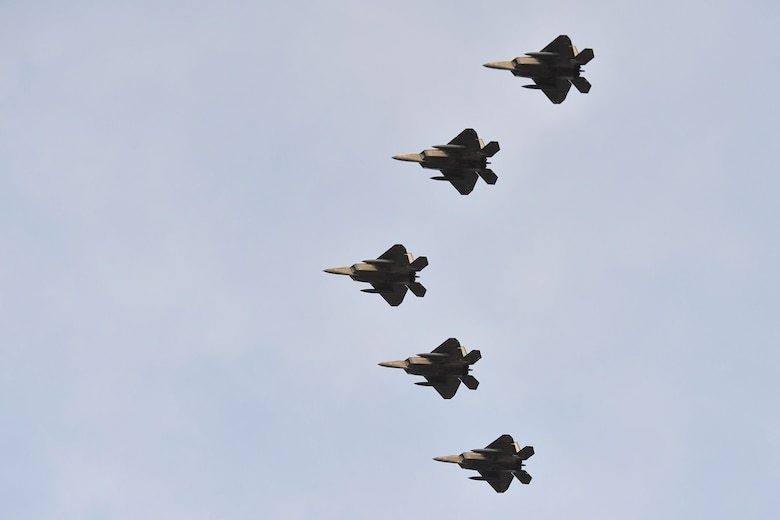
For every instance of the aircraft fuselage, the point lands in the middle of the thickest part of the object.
(529, 67)
(420, 366)
(534, 68)
(381, 274)
(493, 462)
(446, 160)
(441, 160)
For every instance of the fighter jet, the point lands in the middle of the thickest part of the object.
(460, 161)
(443, 369)
(389, 275)
(496, 463)
(554, 69)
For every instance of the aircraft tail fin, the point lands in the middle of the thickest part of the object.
(584, 56)
(581, 84)
(488, 175)
(522, 476)
(417, 289)
(472, 357)
(490, 149)
(470, 382)
(419, 264)
(526, 453)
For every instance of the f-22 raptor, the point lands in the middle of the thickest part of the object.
(460, 161)
(443, 369)
(390, 275)
(554, 69)
(496, 463)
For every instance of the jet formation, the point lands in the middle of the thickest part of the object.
(444, 368)
(554, 69)
(460, 161)
(390, 275)
(496, 463)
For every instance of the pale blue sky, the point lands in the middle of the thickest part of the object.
(174, 178)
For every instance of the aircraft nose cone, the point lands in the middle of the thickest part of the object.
(411, 157)
(338, 270)
(506, 65)
(448, 458)
(392, 364)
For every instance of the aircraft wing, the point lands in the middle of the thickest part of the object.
(499, 480)
(463, 180)
(556, 89)
(561, 46)
(467, 138)
(505, 443)
(451, 347)
(392, 293)
(397, 254)
(446, 386)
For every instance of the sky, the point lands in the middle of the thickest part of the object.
(175, 176)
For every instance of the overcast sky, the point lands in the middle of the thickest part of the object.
(174, 176)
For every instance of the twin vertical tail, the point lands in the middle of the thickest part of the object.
(580, 83)
(469, 380)
(417, 288)
(489, 150)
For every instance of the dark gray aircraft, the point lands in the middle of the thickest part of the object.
(460, 161)
(554, 69)
(496, 463)
(443, 369)
(389, 275)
